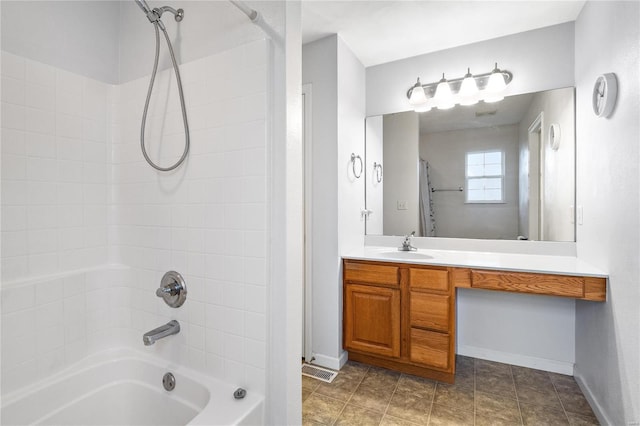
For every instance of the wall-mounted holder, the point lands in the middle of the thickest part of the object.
(554, 136)
(355, 157)
(173, 289)
(377, 169)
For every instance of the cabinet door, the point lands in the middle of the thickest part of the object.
(372, 320)
(430, 311)
(430, 348)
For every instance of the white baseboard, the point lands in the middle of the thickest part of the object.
(553, 366)
(593, 401)
(330, 361)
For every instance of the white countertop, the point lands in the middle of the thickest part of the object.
(566, 265)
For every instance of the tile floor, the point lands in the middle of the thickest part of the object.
(484, 393)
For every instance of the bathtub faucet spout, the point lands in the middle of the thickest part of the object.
(150, 337)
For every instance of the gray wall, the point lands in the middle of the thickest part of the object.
(77, 36)
(607, 334)
(446, 153)
(337, 79)
(539, 59)
(401, 159)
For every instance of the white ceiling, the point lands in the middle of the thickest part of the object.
(384, 31)
(510, 110)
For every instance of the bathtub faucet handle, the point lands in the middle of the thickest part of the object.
(173, 289)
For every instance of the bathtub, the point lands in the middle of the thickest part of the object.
(124, 387)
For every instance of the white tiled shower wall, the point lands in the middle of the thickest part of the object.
(206, 220)
(55, 155)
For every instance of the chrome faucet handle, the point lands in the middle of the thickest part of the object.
(172, 289)
(406, 244)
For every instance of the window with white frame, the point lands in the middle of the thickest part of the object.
(484, 172)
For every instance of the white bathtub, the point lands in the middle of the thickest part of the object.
(124, 387)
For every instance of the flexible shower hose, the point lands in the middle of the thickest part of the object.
(146, 104)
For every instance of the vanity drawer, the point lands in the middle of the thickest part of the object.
(370, 273)
(430, 348)
(522, 282)
(429, 311)
(429, 279)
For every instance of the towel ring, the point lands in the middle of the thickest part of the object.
(377, 168)
(353, 165)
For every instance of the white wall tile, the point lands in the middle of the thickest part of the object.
(13, 116)
(13, 91)
(88, 196)
(39, 73)
(13, 141)
(12, 66)
(40, 145)
(40, 97)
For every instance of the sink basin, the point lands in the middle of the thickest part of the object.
(405, 255)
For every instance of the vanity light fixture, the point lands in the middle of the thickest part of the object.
(443, 98)
(496, 86)
(467, 90)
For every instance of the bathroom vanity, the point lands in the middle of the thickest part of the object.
(400, 309)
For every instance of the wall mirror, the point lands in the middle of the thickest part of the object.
(502, 170)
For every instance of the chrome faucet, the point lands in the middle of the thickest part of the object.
(406, 244)
(150, 337)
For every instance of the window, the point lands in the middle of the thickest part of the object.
(485, 177)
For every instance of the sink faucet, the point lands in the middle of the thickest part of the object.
(406, 244)
(150, 337)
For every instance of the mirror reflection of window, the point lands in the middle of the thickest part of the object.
(485, 177)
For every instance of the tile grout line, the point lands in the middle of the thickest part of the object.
(351, 396)
(515, 388)
(392, 394)
(474, 392)
(433, 399)
(560, 399)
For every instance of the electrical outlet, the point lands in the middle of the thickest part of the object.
(401, 205)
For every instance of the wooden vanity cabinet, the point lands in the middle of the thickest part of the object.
(401, 317)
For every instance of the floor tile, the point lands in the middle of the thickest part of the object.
(581, 420)
(496, 381)
(309, 383)
(410, 406)
(540, 415)
(357, 416)
(484, 392)
(341, 388)
(575, 402)
(536, 379)
(442, 415)
(417, 385)
(319, 409)
(395, 421)
(375, 390)
(537, 397)
(454, 396)
(493, 409)
(496, 368)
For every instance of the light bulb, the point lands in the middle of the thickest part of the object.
(468, 90)
(495, 86)
(418, 99)
(443, 98)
